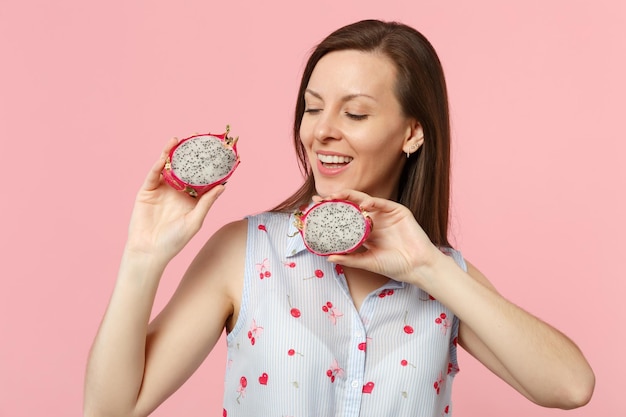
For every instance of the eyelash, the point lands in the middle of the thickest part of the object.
(356, 116)
(349, 115)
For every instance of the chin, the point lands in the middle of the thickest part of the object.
(326, 189)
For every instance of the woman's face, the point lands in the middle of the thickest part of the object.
(353, 129)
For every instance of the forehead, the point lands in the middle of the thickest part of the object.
(353, 72)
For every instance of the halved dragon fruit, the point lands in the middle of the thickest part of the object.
(333, 227)
(200, 162)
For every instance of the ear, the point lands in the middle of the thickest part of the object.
(414, 137)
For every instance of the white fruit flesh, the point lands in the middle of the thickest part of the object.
(203, 160)
(334, 228)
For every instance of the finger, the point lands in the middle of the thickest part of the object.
(153, 178)
(351, 195)
(365, 201)
(205, 202)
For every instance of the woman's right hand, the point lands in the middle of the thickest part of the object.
(164, 220)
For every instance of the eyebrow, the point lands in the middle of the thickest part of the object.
(344, 98)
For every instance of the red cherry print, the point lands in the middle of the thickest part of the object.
(339, 269)
(404, 362)
(443, 321)
(224, 413)
(290, 264)
(455, 341)
(254, 332)
(294, 311)
(447, 409)
(263, 268)
(362, 346)
(263, 379)
(452, 368)
(334, 371)
(317, 274)
(243, 383)
(438, 383)
(333, 313)
(382, 294)
(262, 227)
(292, 352)
(407, 329)
(367, 388)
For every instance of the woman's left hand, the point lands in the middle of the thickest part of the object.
(397, 247)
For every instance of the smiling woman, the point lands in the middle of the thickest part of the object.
(352, 115)
(369, 333)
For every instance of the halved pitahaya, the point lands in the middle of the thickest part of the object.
(333, 227)
(200, 162)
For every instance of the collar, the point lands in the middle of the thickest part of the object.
(295, 244)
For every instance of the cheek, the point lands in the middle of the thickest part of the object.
(305, 133)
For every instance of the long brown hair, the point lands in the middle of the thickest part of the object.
(421, 90)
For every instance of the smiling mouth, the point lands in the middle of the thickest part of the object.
(334, 161)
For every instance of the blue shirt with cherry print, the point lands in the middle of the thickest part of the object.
(300, 347)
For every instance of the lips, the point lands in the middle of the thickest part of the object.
(331, 165)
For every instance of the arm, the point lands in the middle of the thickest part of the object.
(133, 366)
(533, 357)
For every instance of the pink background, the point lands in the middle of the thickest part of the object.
(90, 92)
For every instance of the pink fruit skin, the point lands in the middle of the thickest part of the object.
(195, 190)
(368, 228)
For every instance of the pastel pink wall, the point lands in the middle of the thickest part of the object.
(90, 91)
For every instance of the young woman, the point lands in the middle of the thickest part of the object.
(373, 333)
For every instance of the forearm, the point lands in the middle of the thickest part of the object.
(547, 365)
(116, 363)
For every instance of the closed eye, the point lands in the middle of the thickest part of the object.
(312, 111)
(356, 116)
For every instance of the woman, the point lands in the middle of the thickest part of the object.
(372, 333)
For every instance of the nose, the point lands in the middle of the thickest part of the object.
(327, 128)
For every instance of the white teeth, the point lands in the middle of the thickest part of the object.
(334, 159)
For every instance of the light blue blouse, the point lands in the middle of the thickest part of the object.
(300, 347)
